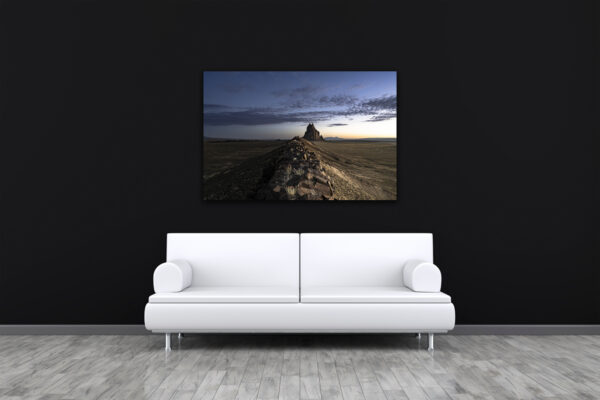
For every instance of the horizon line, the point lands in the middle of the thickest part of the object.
(290, 138)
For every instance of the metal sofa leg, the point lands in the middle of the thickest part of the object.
(430, 348)
(167, 342)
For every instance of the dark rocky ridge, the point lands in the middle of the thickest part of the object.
(312, 133)
(298, 175)
(290, 172)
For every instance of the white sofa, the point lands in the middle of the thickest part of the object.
(289, 282)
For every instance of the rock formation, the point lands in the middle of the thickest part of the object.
(297, 175)
(312, 133)
(293, 171)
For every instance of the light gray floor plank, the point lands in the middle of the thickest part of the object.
(299, 367)
(310, 387)
(290, 387)
(248, 391)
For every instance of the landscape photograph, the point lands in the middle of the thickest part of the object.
(299, 135)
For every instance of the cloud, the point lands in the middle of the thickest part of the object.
(337, 125)
(381, 117)
(381, 103)
(262, 117)
(302, 91)
(308, 97)
(379, 108)
(376, 109)
(338, 100)
(375, 105)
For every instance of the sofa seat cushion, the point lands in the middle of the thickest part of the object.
(229, 294)
(369, 294)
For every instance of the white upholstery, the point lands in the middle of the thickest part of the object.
(230, 294)
(368, 294)
(299, 283)
(299, 317)
(238, 259)
(172, 276)
(422, 276)
(360, 259)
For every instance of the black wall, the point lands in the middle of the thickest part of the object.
(101, 124)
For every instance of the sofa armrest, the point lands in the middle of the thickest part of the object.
(422, 276)
(172, 276)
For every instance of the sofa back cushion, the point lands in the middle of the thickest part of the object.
(238, 259)
(360, 259)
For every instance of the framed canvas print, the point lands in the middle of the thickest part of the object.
(299, 135)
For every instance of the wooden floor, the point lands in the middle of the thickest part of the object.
(287, 367)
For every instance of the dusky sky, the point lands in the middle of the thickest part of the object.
(279, 104)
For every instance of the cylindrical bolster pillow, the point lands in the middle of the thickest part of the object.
(172, 276)
(421, 276)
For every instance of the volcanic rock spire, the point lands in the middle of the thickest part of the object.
(312, 133)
